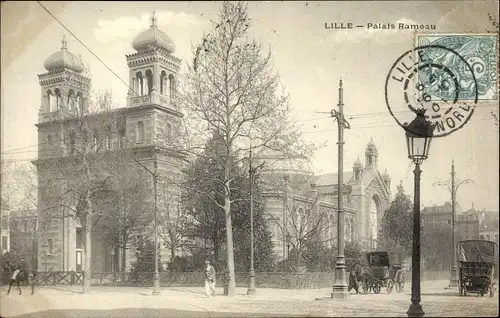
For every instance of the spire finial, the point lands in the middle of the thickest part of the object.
(340, 82)
(64, 44)
(153, 20)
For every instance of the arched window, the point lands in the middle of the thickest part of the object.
(58, 98)
(163, 83)
(71, 100)
(149, 78)
(140, 84)
(72, 138)
(79, 102)
(95, 142)
(171, 84)
(169, 130)
(140, 132)
(121, 138)
(301, 220)
(52, 101)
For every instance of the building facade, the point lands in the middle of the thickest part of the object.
(83, 152)
(297, 200)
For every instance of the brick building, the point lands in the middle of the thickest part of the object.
(145, 132)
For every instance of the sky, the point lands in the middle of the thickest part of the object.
(309, 58)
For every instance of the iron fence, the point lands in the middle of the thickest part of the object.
(308, 280)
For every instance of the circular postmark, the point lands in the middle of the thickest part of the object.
(434, 78)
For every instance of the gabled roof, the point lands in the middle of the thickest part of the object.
(329, 179)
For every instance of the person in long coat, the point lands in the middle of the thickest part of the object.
(354, 276)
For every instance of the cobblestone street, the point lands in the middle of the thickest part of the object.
(68, 302)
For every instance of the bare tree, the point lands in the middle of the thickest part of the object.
(231, 92)
(173, 224)
(307, 224)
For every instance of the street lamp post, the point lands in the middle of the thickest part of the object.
(156, 278)
(418, 137)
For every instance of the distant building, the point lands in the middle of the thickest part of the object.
(289, 187)
(436, 236)
(488, 224)
(488, 228)
(467, 225)
(4, 228)
(24, 234)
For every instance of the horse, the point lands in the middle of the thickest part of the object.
(20, 277)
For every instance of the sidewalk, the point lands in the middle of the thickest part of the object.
(267, 300)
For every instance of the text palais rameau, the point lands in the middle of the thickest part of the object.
(400, 26)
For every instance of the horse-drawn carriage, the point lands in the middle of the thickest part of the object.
(477, 267)
(379, 272)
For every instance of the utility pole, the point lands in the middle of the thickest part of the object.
(452, 185)
(251, 274)
(340, 285)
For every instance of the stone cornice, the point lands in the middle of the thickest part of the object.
(64, 76)
(123, 111)
(152, 56)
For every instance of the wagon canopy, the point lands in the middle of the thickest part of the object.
(378, 259)
(477, 251)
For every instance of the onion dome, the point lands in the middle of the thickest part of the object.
(385, 176)
(371, 145)
(153, 38)
(357, 164)
(63, 59)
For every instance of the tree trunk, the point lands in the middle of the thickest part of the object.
(87, 272)
(172, 251)
(299, 255)
(216, 245)
(88, 231)
(229, 236)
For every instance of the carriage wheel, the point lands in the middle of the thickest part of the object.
(376, 288)
(390, 285)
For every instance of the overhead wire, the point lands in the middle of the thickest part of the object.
(351, 116)
(88, 49)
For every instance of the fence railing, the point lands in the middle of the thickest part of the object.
(308, 280)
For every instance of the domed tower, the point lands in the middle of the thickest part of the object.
(371, 155)
(153, 69)
(64, 87)
(357, 167)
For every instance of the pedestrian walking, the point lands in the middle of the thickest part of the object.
(32, 280)
(209, 279)
(354, 276)
(15, 279)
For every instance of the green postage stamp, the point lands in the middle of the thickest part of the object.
(476, 52)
